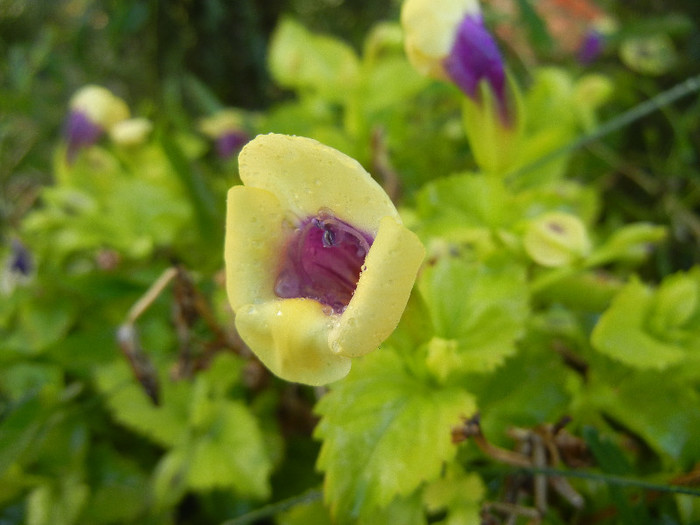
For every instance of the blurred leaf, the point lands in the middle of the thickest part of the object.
(622, 331)
(207, 209)
(301, 60)
(166, 425)
(650, 404)
(58, 503)
(230, 453)
(118, 488)
(465, 207)
(459, 494)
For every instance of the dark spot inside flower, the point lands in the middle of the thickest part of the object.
(323, 261)
(80, 132)
(556, 227)
(475, 57)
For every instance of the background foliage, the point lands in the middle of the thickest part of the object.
(609, 339)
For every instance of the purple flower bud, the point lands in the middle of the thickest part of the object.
(323, 261)
(591, 47)
(20, 259)
(230, 142)
(475, 57)
(80, 132)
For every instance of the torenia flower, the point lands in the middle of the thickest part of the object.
(318, 264)
(447, 39)
(227, 128)
(93, 110)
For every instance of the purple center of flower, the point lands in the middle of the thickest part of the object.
(323, 261)
(80, 131)
(475, 57)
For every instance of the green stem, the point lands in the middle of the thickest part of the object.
(272, 509)
(687, 87)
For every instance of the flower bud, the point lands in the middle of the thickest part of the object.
(93, 110)
(556, 239)
(227, 129)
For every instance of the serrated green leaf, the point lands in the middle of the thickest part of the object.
(384, 432)
(621, 332)
(478, 310)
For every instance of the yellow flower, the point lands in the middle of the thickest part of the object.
(100, 105)
(318, 264)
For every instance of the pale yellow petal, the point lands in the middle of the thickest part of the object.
(290, 337)
(100, 105)
(382, 291)
(430, 29)
(255, 238)
(307, 176)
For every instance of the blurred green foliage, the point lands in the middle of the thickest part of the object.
(609, 338)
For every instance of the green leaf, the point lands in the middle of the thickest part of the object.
(384, 432)
(301, 60)
(57, 503)
(621, 332)
(119, 488)
(655, 407)
(464, 207)
(130, 406)
(306, 513)
(457, 493)
(23, 424)
(389, 82)
(628, 243)
(536, 27)
(607, 454)
(207, 209)
(230, 453)
(478, 311)
(676, 302)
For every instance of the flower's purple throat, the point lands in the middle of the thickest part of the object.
(322, 261)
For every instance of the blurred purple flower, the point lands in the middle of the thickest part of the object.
(475, 57)
(80, 132)
(20, 261)
(591, 47)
